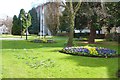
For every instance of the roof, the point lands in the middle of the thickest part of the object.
(43, 5)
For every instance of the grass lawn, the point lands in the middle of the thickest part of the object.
(24, 59)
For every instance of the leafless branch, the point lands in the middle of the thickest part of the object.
(65, 6)
(77, 7)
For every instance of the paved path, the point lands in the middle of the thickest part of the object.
(12, 39)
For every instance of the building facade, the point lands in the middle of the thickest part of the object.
(3, 29)
(44, 30)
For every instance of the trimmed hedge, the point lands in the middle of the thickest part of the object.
(98, 36)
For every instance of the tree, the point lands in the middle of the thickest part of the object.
(81, 18)
(15, 27)
(52, 14)
(113, 20)
(113, 11)
(8, 23)
(95, 17)
(34, 28)
(22, 20)
(26, 20)
(28, 23)
(72, 10)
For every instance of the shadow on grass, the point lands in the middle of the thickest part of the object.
(111, 64)
(28, 45)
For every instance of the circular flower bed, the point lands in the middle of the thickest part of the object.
(90, 51)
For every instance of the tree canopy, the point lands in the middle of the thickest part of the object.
(34, 28)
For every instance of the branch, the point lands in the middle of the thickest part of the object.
(103, 9)
(77, 7)
(65, 6)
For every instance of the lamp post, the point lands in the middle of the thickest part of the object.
(26, 24)
(21, 26)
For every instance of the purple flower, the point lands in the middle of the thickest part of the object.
(85, 50)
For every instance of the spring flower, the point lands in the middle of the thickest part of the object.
(87, 50)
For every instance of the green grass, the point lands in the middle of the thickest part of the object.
(24, 59)
(30, 37)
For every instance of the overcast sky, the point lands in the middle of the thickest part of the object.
(12, 7)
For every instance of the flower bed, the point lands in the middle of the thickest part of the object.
(43, 41)
(89, 51)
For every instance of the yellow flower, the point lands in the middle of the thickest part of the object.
(92, 50)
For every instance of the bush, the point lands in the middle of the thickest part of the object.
(113, 37)
(98, 36)
(89, 51)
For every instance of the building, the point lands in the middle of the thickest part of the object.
(41, 9)
(3, 29)
(113, 29)
(118, 29)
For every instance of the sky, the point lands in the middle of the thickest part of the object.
(12, 7)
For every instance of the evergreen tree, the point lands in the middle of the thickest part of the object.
(22, 22)
(34, 28)
(15, 27)
(26, 20)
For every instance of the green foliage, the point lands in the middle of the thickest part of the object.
(22, 16)
(21, 25)
(34, 28)
(64, 21)
(16, 28)
(26, 19)
(114, 12)
(80, 20)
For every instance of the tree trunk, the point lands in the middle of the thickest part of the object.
(92, 35)
(72, 12)
(107, 35)
(72, 19)
(54, 32)
(71, 33)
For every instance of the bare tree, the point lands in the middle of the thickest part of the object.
(8, 23)
(52, 14)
